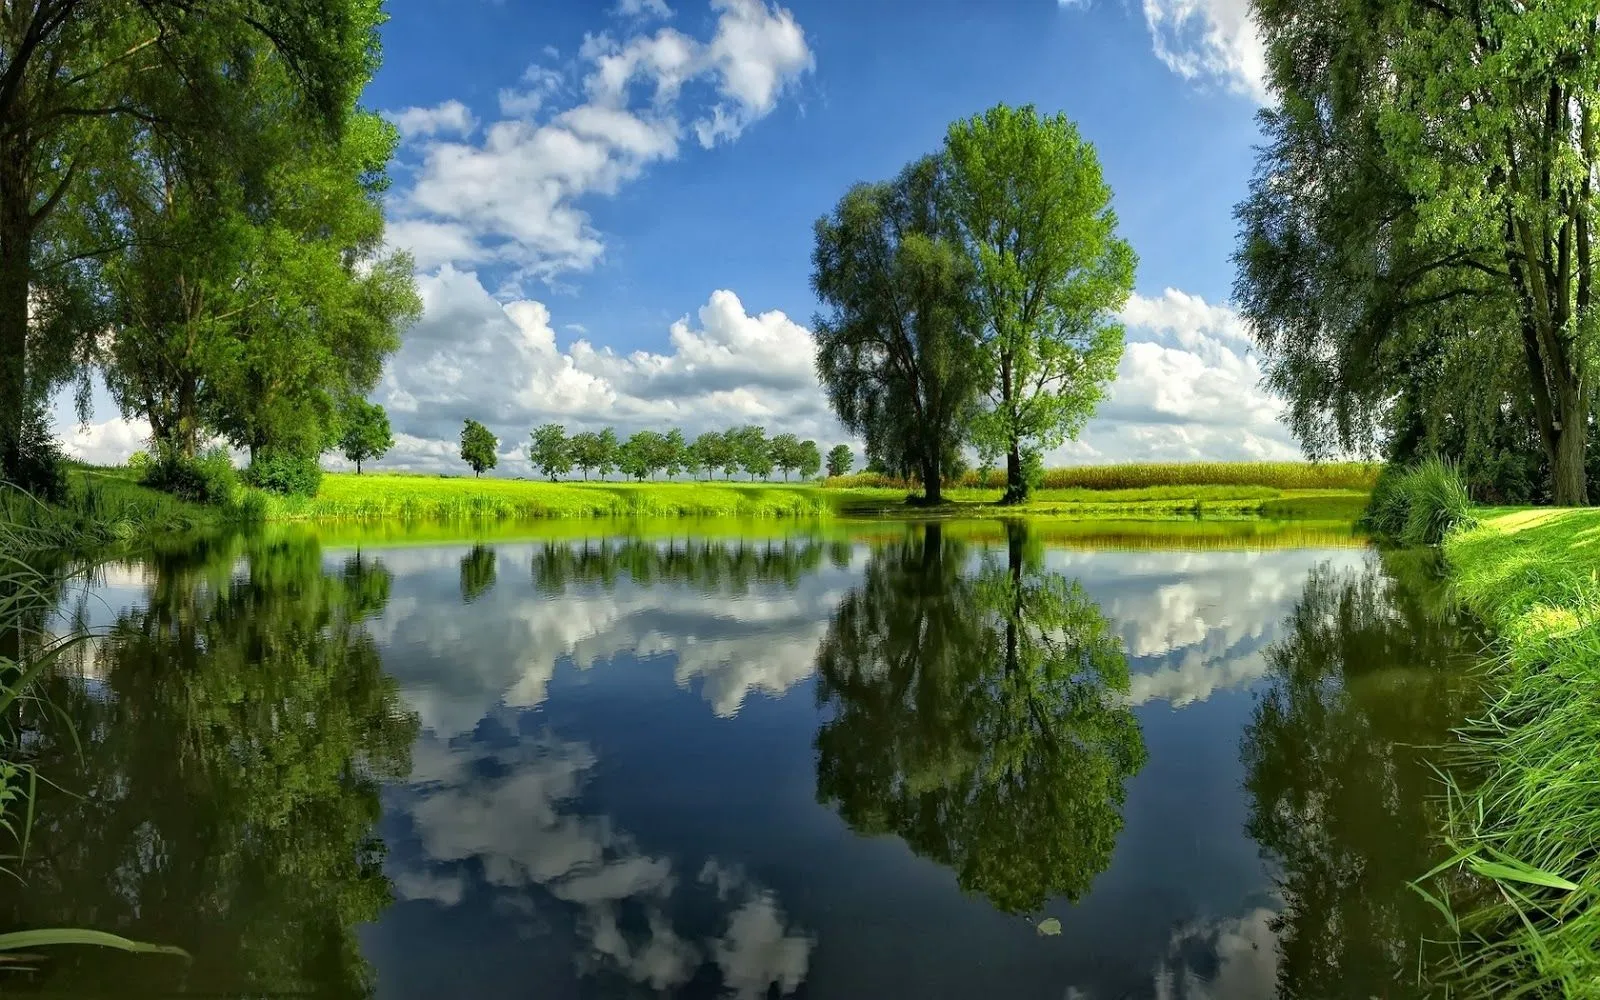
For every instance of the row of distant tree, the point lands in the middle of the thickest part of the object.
(648, 454)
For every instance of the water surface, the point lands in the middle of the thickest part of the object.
(936, 761)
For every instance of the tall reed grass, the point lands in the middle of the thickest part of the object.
(1421, 504)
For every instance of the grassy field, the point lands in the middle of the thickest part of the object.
(374, 497)
(1143, 475)
(1526, 793)
(111, 500)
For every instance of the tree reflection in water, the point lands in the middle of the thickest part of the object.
(978, 713)
(219, 761)
(1342, 799)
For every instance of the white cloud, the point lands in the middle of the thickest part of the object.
(1210, 41)
(448, 118)
(643, 8)
(108, 442)
(474, 356)
(1189, 389)
(515, 196)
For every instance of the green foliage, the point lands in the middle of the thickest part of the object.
(840, 460)
(1416, 256)
(1035, 217)
(96, 112)
(208, 479)
(895, 352)
(551, 452)
(1525, 800)
(675, 453)
(478, 447)
(31, 461)
(1421, 505)
(808, 461)
(366, 435)
(285, 472)
(1144, 475)
(477, 572)
(752, 450)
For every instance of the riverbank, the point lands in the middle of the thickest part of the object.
(110, 502)
(1525, 800)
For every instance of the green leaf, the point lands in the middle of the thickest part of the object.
(47, 937)
(1049, 927)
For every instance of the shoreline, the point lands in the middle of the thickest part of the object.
(1528, 822)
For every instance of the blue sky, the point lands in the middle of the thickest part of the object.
(610, 203)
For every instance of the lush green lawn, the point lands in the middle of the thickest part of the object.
(1528, 791)
(1225, 500)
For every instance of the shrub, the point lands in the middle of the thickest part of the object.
(1419, 505)
(36, 466)
(207, 478)
(286, 472)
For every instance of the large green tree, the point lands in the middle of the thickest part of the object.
(83, 84)
(550, 451)
(1421, 224)
(895, 352)
(1035, 217)
(981, 717)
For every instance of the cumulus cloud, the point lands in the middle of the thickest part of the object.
(447, 118)
(1210, 42)
(107, 442)
(499, 362)
(1189, 388)
(514, 195)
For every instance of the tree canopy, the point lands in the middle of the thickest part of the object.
(140, 134)
(895, 352)
(1416, 256)
(365, 435)
(479, 447)
(1050, 275)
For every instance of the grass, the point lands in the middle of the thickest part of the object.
(1525, 792)
(1148, 501)
(1142, 475)
(375, 497)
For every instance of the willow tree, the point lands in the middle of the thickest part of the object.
(73, 74)
(1051, 273)
(895, 352)
(1426, 192)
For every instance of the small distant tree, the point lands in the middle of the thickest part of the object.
(585, 448)
(752, 451)
(608, 450)
(633, 457)
(841, 460)
(675, 453)
(785, 451)
(478, 447)
(366, 435)
(809, 460)
(550, 451)
(708, 452)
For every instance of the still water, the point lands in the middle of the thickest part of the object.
(960, 760)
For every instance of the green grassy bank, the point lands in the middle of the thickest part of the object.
(109, 502)
(1525, 804)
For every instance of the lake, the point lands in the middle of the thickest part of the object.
(952, 759)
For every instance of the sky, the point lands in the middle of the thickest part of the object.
(610, 206)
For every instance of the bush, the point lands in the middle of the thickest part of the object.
(1419, 505)
(287, 473)
(36, 464)
(208, 478)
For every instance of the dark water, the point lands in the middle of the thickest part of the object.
(868, 764)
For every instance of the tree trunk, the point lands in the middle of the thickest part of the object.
(1016, 486)
(16, 239)
(931, 481)
(358, 466)
(1569, 478)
